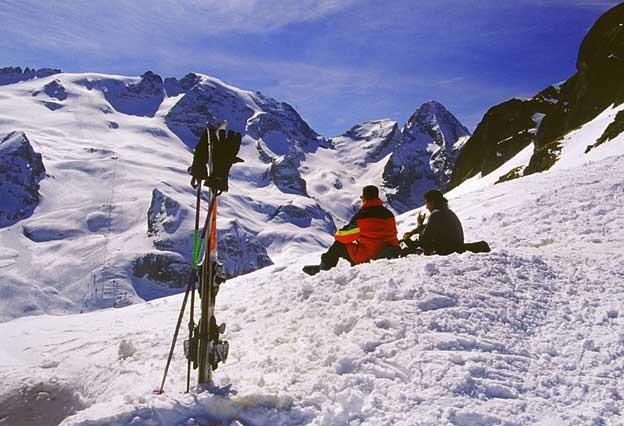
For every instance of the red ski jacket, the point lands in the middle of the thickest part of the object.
(371, 230)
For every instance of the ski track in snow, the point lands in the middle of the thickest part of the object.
(528, 334)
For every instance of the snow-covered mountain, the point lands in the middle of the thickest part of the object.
(94, 167)
(96, 204)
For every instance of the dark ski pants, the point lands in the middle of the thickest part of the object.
(412, 247)
(337, 251)
(416, 247)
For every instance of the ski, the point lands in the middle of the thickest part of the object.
(213, 158)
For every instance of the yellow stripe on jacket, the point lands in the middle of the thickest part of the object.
(348, 234)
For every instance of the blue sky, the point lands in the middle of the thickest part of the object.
(338, 62)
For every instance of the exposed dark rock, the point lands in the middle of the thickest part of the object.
(262, 154)
(141, 99)
(166, 268)
(304, 216)
(164, 214)
(21, 170)
(54, 89)
(543, 158)
(424, 157)
(597, 84)
(504, 131)
(52, 106)
(240, 251)
(514, 173)
(11, 75)
(612, 131)
(188, 82)
(285, 174)
(173, 86)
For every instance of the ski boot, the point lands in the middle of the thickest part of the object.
(315, 269)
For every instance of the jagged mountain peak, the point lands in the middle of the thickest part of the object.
(425, 157)
(432, 116)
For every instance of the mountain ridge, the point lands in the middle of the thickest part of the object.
(116, 148)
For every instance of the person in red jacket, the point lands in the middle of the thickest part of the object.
(367, 236)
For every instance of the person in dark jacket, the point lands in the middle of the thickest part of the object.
(371, 231)
(442, 234)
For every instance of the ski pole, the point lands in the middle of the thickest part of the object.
(191, 323)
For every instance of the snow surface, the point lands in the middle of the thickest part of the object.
(528, 334)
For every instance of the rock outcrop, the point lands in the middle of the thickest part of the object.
(303, 216)
(141, 98)
(544, 119)
(166, 268)
(425, 156)
(596, 85)
(21, 170)
(504, 131)
(11, 75)
(164, 214)
(241, 251)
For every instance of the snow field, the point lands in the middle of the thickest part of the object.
(528, 334)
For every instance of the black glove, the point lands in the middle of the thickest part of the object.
(199, 169)
(225, 151)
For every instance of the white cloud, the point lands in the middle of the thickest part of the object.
(95, 18)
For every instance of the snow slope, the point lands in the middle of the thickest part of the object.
(528, 334)
(359, 157)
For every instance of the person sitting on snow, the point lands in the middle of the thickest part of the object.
(370, 233)
(442, 234)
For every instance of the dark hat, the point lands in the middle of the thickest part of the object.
(436, 197)
(370, 192)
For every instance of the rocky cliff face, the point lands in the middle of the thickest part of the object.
(140, 97)
(597, 84)
(11, 75)
(505, 129)
(425, 155)
(21, 169)
(511, 126)
(171, 230)
(241, 251)
(281, 136)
